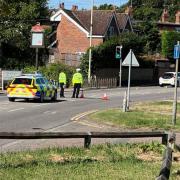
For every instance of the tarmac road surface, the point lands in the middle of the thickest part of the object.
(66, 114)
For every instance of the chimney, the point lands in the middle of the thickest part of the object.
(61, 6)
(74, 8)
(165, 16)
(114, 8)
(177, 17)
(129, 11)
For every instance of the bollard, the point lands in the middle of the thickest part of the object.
(125, 102)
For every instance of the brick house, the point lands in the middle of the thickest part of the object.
(72, 31)
(165, 25)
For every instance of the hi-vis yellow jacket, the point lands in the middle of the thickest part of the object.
(62, 77)
(77, 78)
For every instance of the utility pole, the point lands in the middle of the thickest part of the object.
(90, 43)
(36, 59)
(120, 67)
(129, 80)
(176, 56)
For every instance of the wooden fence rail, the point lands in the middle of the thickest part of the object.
(86, 135)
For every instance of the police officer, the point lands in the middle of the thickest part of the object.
(77, 82)
(62, 83)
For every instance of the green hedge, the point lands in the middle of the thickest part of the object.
(52, 71)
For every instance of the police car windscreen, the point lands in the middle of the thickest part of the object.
(22, 81)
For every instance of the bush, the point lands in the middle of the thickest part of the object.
(103, 56)
(169, 39)
(52, 71)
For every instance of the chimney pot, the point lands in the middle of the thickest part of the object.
(74, 8)
(177, 17)
(129, 11)
(165, 16)
(61, 5)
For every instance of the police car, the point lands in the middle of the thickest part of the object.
(31, 86)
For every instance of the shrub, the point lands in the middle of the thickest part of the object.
(52, 71)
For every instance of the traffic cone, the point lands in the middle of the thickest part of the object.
(105, 97)
(82, 94)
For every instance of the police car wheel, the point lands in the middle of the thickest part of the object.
(54, 98)
(41, 100)
(11, 99)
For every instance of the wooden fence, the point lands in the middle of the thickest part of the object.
(167, 159)
(86, 135)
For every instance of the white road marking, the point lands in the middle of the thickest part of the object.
(49, 112)
(12, 110)
(11, 144)
(46, 112)
(38, 105)
(54, 112)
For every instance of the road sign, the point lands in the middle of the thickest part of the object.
(176, 51)
(129, 62)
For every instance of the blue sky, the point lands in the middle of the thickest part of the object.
(86, 4)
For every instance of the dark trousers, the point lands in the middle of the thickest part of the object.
(76, 90)
(61, 89)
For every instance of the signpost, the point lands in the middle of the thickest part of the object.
(37, 39)
(130, 60)
(176, 56)
(118, 56)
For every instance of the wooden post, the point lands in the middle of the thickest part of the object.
(165, 139)
(166, 165)
(87, 141)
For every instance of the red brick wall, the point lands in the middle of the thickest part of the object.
(71, 39)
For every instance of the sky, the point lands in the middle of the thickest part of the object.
(84, 4)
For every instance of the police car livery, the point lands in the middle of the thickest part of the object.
(31, 86)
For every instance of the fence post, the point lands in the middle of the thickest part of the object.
(87, 140)
(166, 165)
(165, 139)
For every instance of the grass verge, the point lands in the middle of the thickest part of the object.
(155, 115)
(125, 161)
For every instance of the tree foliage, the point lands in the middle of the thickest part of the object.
(150, 10)
(169, 39)
(103, 56)
(52, 71)
(17, 18)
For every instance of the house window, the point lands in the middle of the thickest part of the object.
(111, 31)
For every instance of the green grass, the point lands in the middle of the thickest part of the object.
(125, 161)
(156, 115)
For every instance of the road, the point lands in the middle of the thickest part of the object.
(21, 116)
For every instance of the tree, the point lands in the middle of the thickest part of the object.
(103, 56)
(17, 18)
(169, 39)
